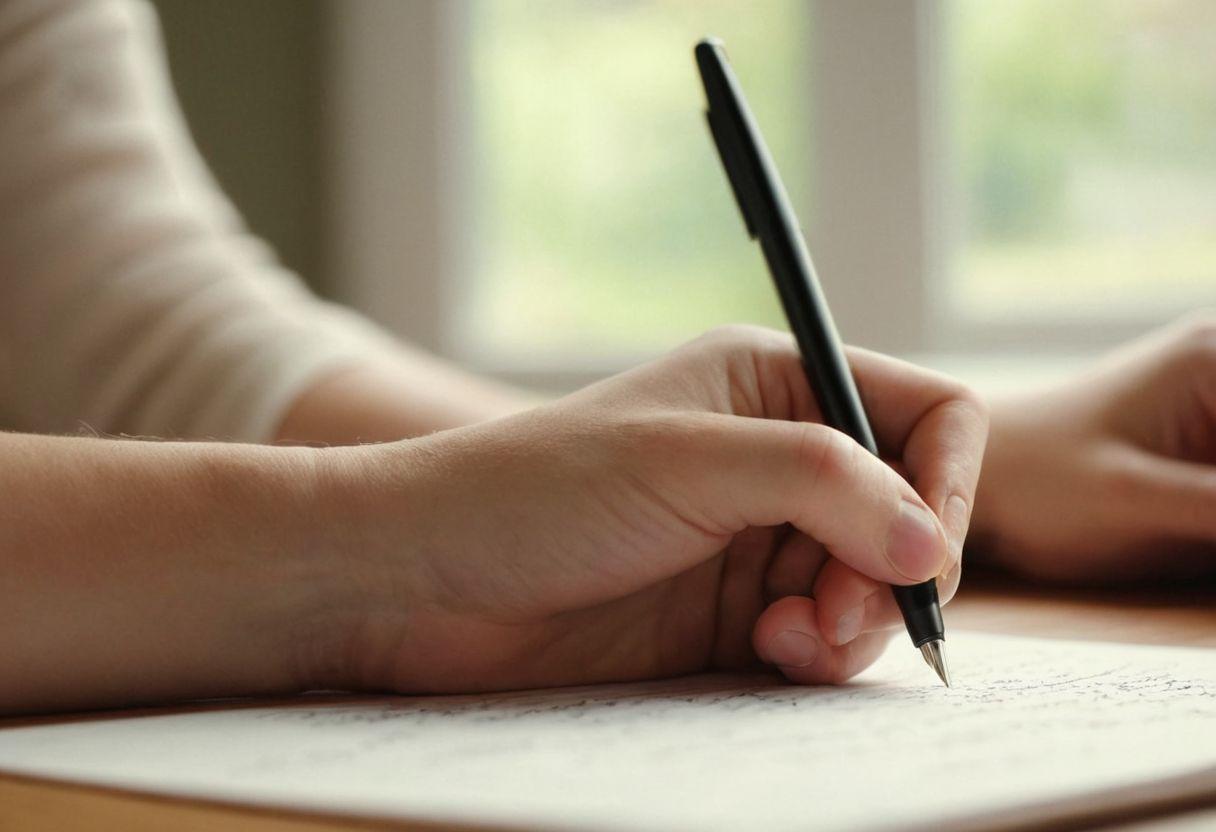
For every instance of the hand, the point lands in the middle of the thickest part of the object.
(688, 515)
(1111, 476)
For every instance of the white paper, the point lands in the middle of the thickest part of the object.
(1028, 721)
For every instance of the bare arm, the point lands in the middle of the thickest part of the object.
(631, 530)
(141, 571)
(412, 395)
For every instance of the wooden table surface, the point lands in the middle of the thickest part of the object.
(1178, 616)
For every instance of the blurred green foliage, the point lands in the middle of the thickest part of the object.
(1019, 109)
(606, 221)
(1081, 159)
(1085, 140)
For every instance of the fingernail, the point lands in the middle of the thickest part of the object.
(951, 577)
(955, 517)
(947, 584)
(848, 626)
(792, 648)
(914, 547)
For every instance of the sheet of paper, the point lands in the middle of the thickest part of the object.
(1029, 721)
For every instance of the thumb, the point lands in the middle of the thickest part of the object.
(735, 472)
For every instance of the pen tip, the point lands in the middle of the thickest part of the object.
(934, 655)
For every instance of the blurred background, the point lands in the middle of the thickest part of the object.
(528, 186)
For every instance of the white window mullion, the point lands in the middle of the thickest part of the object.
(873, 217)
(393, 161)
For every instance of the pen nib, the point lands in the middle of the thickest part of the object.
(936, 659)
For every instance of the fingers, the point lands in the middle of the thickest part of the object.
(736, 472)
(794, 566)
(740, 598)
(1157, 495)
(849, 604)
(936, 426)
(787, 635)
(736, 369)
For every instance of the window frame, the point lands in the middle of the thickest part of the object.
(399, 183)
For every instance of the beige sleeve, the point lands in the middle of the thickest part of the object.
(132, 300)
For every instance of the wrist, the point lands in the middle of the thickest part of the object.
(375, 403)
(200, 580)
(363, 564)
(276, 579)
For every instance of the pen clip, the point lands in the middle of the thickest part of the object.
(731, 163)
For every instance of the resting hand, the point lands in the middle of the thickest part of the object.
(688, 515)
(1111, 476)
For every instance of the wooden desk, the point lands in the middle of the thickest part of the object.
(1179, 617)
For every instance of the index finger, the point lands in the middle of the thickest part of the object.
(935, 424)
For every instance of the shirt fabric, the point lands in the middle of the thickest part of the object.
(132, 298)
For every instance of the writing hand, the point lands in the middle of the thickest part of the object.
(690, 514)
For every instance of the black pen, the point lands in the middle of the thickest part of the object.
(770, 219)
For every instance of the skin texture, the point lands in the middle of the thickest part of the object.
(410, 395)
(623, 532)
(642, 526)
(1110, 477)
(146, 571)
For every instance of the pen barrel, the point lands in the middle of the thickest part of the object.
(823, 357)
(921, 611)
(769, 218)
(836, 392)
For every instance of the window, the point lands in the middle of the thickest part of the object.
(1085, 140)
(972, 175)
(605, 223)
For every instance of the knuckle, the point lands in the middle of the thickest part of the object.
(968, 416)
(1197, 337)
(971, 400)
(966, 401)
(827, 455)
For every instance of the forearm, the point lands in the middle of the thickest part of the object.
(141, 571)
(412, 394)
